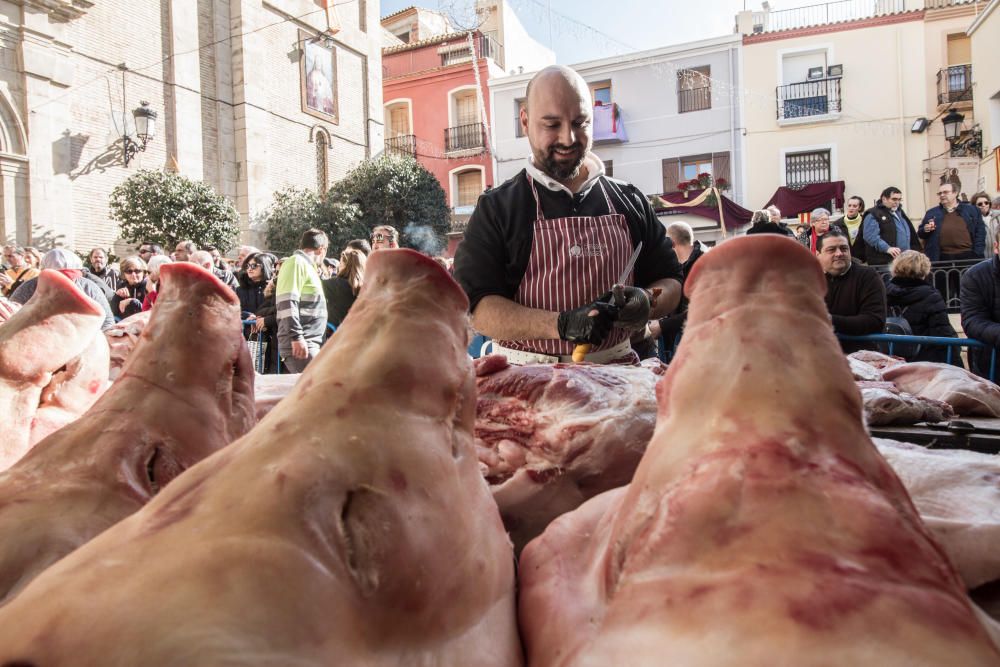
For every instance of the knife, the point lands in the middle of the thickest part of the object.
(583, 349)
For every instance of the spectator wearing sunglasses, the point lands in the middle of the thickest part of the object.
(384, 236)
(991, 218)
(129, 297)
(258, 268)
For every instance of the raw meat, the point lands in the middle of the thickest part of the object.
(549, 436)
(762, 527)
(957, 493)
(43, 339)
(180, 398)
(876, 359)
(967, 393)
(122, 339)
(269, 389)
(884, 404)
(863, 371)
(350, 527)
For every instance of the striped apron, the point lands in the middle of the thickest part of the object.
(573, 261)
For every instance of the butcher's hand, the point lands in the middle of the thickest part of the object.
(634, 307)
(299, 349)
(588, 324)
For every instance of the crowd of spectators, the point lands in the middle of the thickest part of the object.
(879, 265)
(289, 306)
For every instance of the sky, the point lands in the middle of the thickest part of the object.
(582, 30)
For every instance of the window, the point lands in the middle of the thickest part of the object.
(322, 171)
(469, 187)
(518, 105)
(801, 169)
(399, 120)
(466, 109)
(601, 92)
(694, 89)
(609, 168)
(691, 168)
(404, 37)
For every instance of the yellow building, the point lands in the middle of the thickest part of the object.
(836, 94)
(984, 34)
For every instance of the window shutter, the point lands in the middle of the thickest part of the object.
(671, 174)
(720, 166)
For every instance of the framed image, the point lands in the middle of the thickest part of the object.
(318, 76)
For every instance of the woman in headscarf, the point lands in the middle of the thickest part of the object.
(342, 289)
(129, 298)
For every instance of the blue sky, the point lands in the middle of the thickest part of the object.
(582, 30)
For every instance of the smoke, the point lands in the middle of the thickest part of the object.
(423, 238)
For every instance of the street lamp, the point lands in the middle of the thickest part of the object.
(952, 125)
(145, 131)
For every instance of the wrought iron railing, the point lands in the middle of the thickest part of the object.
(694, 99)
(954, 84)
(464, 137)
(809, 98)
(405, 144)
(824, 13)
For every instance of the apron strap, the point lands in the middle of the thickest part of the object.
(538, 204)
(611, 207)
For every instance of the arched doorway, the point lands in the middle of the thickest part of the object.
(15, 222)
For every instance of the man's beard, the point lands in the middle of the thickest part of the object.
(562, 171)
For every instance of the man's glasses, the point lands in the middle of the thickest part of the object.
(139, 271)
(944, 192)
(145, 251)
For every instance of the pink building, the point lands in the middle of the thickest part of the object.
(436, 96)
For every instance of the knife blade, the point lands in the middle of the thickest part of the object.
(618, 290)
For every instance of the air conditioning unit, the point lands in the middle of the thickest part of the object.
(835, 70)
(815, 72)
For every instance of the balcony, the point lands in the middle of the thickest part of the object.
(608, 124)
(403, 144)
(824, 14)
(954, 84)
(809, 99)
(471, 137)
(694, 99)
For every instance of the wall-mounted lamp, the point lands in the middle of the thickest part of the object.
(919, 125)
(145, 131)
(952, 125)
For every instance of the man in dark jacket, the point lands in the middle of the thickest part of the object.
(981, 309)
(886, 229)
(952, 230)
(98, 260)
(855, 294)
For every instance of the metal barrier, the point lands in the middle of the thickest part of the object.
(946, 277)
(949, 343)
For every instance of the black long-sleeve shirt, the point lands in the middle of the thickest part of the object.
(493, 257)
(856, 303)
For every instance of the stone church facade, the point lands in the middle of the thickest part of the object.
(235, 105)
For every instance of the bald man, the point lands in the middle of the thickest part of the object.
(542, 251)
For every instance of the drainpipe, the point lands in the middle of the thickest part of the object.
(899, 118)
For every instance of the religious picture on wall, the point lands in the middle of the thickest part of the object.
(318, 71)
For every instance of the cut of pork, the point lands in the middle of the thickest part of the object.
(762, 527)
(350, 527)
(863, 371)
(38, 341)
(549, 436)
(884, 404)
(957, 493)
(186, 392)
(966, 392)
(877, 360)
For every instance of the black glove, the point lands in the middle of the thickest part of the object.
(577, 326)
(633, 304)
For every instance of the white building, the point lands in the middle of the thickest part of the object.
(666, 115)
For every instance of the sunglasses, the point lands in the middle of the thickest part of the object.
(983, 203)
(378, 237)
(254, 265)
(133, 271)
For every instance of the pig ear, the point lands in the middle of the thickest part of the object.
(55, 326)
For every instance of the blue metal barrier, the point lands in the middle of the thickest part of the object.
(949, 343)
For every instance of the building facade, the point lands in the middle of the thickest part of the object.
(250, 98)
(984, 33)
(661, 117)
(435, 94)
(857, 92)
